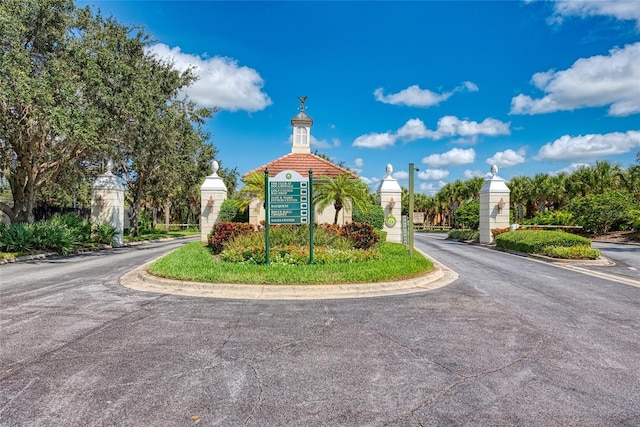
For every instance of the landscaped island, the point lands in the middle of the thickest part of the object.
(347, 254)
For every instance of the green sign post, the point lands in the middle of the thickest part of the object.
(288, 200)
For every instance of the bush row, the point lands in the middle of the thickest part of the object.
(535, 241)
(467, 235)
(352, 235)
(61, 234)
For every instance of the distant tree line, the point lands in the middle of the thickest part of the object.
(600, 198)
(77, 89)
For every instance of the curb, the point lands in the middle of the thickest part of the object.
(139, 279)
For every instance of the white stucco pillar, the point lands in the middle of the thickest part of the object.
(494, 206)
(107, 203)
(212, 193)
(389, 196)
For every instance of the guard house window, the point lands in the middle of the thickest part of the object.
(301, 135)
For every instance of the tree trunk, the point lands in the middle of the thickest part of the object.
(167, 213)
(338, 207)
(135, 215)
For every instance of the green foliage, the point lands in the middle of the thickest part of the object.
(600, 213)
(342, 191)
(16, 237)
(634, 219)
(534, 241)
(466, 235)
(551, 218)
(223, 232)
(371, 214)
(362, 236)
(61, 234)
(572, 252)
(228, 211)
(103, 233)
(468, 214)
(194, 262)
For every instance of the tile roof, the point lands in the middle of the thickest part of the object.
(301, 163)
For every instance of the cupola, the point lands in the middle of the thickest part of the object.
(301, 124)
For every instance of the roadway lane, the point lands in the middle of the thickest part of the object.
(512, 342)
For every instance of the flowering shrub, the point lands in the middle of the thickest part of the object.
(296, 255)
(223, 232)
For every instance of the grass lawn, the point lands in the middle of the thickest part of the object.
(194, 262)
(158, 234)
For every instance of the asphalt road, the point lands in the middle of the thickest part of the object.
(511, 342)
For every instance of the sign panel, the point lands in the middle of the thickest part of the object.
(289, 198)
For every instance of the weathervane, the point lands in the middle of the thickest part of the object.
(302, 100)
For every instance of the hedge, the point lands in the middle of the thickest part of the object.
(535, 241)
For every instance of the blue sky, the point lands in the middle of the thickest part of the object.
(535, 87)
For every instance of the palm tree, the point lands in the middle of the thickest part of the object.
(253, 189)
(341, 191)
(520, 187)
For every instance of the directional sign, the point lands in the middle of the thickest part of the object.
(289, 198)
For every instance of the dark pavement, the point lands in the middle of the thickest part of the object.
(511, 342)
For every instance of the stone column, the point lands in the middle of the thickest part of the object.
(107, 203)
(212, 193)
(494, 206)
(389, 196)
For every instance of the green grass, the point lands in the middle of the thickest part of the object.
(194, 262)
(159, 234)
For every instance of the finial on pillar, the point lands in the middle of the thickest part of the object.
(494, 170)
(109, 166)
(216, 167)
(389, 169)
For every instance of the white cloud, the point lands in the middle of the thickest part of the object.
(471, 87)
(590, 82)
(433, 174)
(321, 143)
(453, 157)
(507, 158)
(570, 169)
(448, 126)
(413, 129)
(589, 147)
(468, 174)
(620, 9)
(431, 188)
(400, 175)
(412, 96)
(358, 162)
(222, 82)
(375, 140)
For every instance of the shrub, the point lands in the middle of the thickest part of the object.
(573, 252)
(551, 218)
(53, 235)
(372, 215)
(222, 232)
(534, 241)
(103, 233)
(229, 211)
(599, 213)
(466, 235)
(362, 236)
(468, 214)
(16, 238)
(240, 252)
